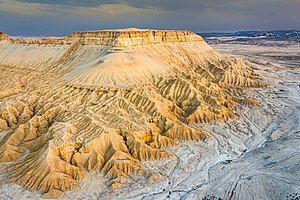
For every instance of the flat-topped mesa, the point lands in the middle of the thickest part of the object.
(117, 38)
(3, 36)
(107, 109)
(135, 37)
(42, 41)
(36, 40)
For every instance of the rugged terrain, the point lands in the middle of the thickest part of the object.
(121, 106)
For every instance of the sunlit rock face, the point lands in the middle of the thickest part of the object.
(105, 101)
(3, 36)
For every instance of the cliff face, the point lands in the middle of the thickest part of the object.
(117, 38)
(41, 41)
(36, 41)
(127, 38)
(106, 100)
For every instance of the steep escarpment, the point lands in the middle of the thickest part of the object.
(134, 37)
(106, 100)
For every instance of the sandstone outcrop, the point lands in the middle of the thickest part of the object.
(134, 37)
(106, 100)
(3, 36)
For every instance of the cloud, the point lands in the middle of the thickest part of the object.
(192, 7)
(20, 7)
(73, 8)
(168, 5)
(62, 16)
(80, 3)
(114, 10)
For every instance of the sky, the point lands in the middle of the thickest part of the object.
(62, 17)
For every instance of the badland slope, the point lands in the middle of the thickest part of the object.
(106, 100)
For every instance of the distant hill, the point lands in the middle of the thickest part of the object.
(251, 37)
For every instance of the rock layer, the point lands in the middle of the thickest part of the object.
(135, 37)
(106, 100)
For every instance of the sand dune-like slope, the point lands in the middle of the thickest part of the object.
(105, 101)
